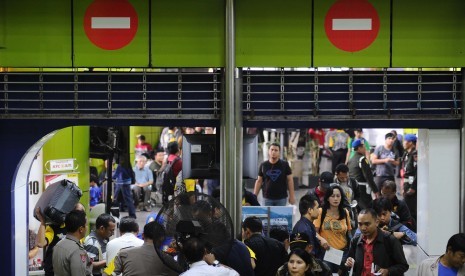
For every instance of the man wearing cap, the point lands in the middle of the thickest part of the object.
(409, 166)
(358, 132)
(385, 160)
(326, 178)
(359, 169)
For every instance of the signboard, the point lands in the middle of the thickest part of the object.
(352, 25)
(52, 178)
(351, 33)
(275, 216)
(111, 25)
(61, 165)
(111, 33)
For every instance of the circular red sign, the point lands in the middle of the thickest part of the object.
(110, 24)
(352, 25)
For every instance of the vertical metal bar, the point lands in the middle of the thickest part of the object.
(462, 159)
(76, 93)
(5, 90)
(144, 93)
(237, 198)
(179, 92)
(231, 128)
(109, 190)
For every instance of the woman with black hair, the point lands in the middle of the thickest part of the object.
(333, 224)
(299, 264)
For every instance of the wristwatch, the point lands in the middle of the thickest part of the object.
(216, 263)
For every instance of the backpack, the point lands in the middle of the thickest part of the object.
(168, 180)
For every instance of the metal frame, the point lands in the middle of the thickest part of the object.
(130, 95)
(355, 94)
(462, 164)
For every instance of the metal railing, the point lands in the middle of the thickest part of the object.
(170, 95)
(351, 95)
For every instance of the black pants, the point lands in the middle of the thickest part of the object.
(339, 157)
(411, 201)
(365, 201)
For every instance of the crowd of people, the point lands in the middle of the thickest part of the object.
(355, 211)
(375, 249)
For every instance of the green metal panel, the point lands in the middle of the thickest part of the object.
(134, 54)
(35, 33)
(188, 33)
(273, 33)
(151, 133)
(428, 34)
(71, 142)
(375, 55)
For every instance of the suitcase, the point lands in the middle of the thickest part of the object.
(58, 200)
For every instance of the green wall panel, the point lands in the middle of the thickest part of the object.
(35, 33)
(134, 54)
(188, 33)
(433, 37)
(375, 55)
(273, 33)
(151, 133)
(72, 142)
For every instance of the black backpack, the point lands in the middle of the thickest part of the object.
(168, 180)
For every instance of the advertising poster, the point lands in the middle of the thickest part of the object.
(276, 216)
(52, 178)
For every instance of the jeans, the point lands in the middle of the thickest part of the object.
(275, 202)
(127, 197)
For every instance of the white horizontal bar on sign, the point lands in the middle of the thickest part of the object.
(111, 23)
(352, 24)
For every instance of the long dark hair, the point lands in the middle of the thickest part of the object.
(325, 207)
(305, 256)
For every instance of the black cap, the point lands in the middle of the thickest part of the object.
(327, 177)
(299, 240)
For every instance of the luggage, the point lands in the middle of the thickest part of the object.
(58, 200)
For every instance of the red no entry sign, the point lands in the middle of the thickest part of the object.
(352, 25)
(110, 24)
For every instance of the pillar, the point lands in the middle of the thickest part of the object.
(438, 188)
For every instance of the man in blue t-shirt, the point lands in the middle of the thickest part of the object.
(450, 264)
(94, 192)
(275, 177)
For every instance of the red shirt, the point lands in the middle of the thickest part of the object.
(320, 194)
(177, 167)
(367, 257)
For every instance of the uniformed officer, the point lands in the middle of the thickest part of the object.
(49, 235)
(409, 166)
(69, 256)
(359, 169)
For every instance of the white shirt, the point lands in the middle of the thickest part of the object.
(203, 269)
(125, 241)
